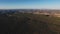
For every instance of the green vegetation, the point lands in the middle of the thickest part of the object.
(29, 24)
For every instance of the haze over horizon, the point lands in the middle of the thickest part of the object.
(29, 4)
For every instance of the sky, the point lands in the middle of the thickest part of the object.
(29, 4)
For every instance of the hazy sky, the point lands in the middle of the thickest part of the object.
(30, 4)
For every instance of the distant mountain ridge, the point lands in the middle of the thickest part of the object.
(29, 10)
